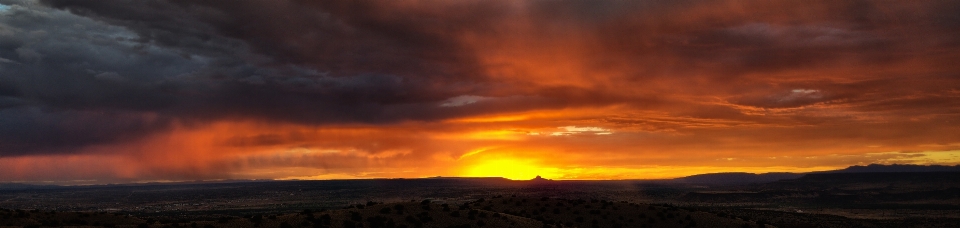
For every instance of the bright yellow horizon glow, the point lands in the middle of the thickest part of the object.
(515, 169)
(512, 169)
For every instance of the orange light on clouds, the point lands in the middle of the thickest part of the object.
(627, 90)
(566, 150)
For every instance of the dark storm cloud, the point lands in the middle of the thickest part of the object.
(69, 81)
(326, 36)
(128, 68)
(32, 129)
(302, 53)
(184, 61)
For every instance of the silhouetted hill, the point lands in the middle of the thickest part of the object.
(874, 180)
(737, 178)
(895, 168)
(19, 186)
(733, 178)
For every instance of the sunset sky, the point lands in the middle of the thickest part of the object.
(114, 91)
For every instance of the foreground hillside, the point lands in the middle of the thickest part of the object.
(842, 199)
(509, 211)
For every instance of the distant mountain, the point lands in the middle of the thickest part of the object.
(896, 168)
(890, 181)
(750, 178)
(737, 178)
(461, 178)
(20, 186)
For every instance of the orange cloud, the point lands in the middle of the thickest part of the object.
(563, 89)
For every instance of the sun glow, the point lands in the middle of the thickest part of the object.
(511, 169)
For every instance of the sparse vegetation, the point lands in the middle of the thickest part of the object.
(809, 202)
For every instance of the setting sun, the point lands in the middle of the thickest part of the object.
(510, 169)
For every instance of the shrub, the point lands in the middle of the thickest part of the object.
(424, 217)
(413, 220)
(380, 221)
(324, 220)
(355, 216)
(349, 224)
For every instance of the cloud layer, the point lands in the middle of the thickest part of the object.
(117, 90)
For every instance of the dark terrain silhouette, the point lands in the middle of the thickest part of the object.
(901, 196)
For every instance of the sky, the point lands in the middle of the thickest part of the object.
(116, 91)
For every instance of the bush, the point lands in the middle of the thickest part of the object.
(349, 224)
(324, 220)
(413, 220)
(425, 217)
(380, 222)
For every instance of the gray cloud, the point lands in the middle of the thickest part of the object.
(145, 64)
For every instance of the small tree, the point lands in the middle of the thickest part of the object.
(398, 208)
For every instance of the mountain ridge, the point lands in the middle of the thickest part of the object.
(705, 178)
(749, 178)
